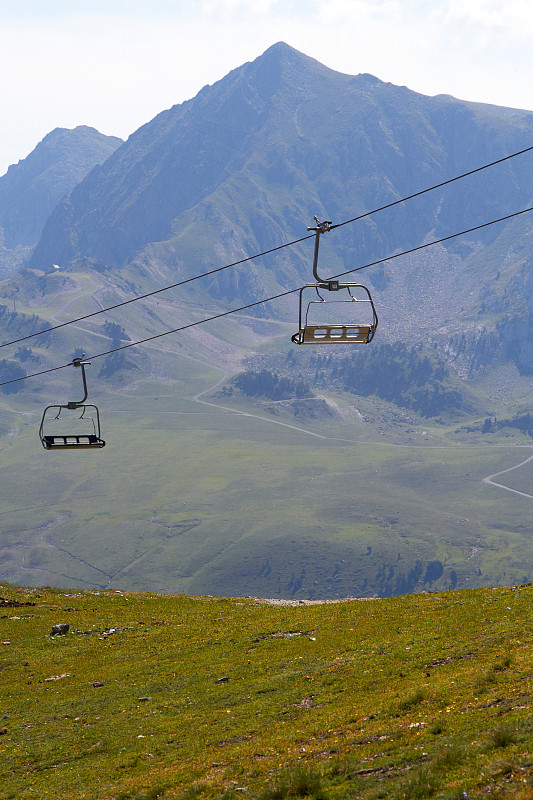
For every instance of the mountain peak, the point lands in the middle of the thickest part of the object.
(30, 189)
(80, 132)
(289, 137)
(283, 55)
(281, 67)
(279, 47)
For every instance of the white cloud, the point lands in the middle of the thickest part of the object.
(492, 21)
(242, 8)
(115, 64)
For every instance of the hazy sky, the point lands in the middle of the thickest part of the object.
(114, 64)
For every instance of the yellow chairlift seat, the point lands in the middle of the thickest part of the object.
(334, 334)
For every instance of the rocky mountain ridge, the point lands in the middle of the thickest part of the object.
(245, 165)
(30, 190)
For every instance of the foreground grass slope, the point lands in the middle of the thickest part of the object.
(182, 697)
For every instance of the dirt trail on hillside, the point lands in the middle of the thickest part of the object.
(491, 482)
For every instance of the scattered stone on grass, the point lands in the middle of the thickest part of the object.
(60, 630)
(6, 603)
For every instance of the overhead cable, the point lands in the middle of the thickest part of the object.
(157, 291)
(266, 252)
(436, 241)
(274, 297)
(431, 188)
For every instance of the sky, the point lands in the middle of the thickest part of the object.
(115, 64)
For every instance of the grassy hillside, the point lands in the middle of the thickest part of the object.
(194, 498)
(202, 489)
(201, 697)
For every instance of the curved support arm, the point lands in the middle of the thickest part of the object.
(321, 227)
(79, 362)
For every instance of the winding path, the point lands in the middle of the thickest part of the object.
(489, 479)
(491, 482)
(197, 397)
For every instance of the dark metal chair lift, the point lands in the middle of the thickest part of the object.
(72, 441)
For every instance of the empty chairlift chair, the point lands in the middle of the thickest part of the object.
(350, 319)
(74, 425)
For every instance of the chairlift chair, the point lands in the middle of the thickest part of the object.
(64, 428)
(360, 329)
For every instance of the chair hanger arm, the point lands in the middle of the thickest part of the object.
(79, 362)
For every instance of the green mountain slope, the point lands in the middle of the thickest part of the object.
(278, 140)
(243, 167)
(202, 488)
(180, 697)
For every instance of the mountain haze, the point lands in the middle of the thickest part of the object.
(292, 136)
(245, 165)
(30, 190)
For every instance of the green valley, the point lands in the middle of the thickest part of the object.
(203, 488)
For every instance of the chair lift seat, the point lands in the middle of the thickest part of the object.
(334, 334)
(71, 441)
